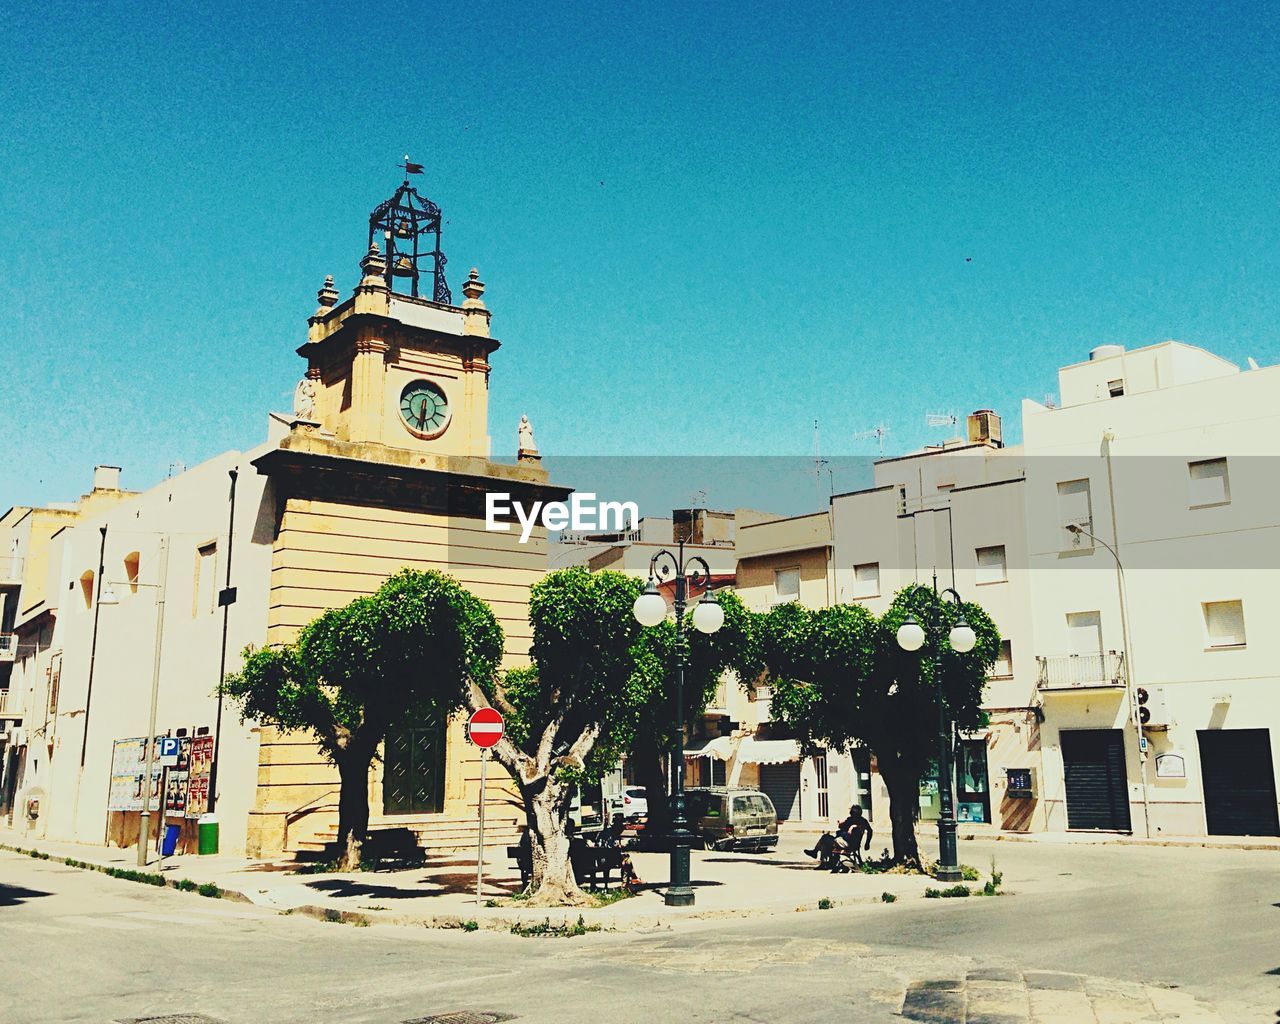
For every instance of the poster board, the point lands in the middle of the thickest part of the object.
(128, 764)
(200, 769)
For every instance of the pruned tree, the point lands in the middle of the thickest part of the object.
(595, 671)
(406, 652)
(840, 680)
(730, 655)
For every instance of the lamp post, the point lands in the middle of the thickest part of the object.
(109, 597)
(650, 609)
(911, 637)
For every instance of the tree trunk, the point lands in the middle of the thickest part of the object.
(353, 809)
(552, 882)
(652, 774)
(904, 808)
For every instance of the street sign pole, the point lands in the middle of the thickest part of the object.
(484, 729)
(484, 763)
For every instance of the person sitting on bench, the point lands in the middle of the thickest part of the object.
(851, 834)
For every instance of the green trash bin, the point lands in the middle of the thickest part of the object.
(208, 834)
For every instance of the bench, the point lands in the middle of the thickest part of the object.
(592, 865)
(387, 846)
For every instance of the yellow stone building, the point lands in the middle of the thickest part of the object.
(386, 466)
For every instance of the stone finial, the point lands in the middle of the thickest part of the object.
(473, 288)
(373, 265)
(327, 296)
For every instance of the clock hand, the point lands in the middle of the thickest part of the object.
(422, 414)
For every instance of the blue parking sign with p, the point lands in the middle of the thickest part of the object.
(169, 747)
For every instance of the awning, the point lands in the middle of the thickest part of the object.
(720, 748)
(753, 751)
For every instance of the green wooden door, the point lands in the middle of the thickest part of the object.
(413, 776)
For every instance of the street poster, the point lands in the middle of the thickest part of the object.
(177, 781)
(201, 766)
(128, 764)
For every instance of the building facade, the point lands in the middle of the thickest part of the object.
(384, 464)
(1154, 543)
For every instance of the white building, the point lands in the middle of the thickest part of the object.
(1167, 456)
(955, 511)
(59, 774)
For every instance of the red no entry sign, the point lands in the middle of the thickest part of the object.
(485, 727)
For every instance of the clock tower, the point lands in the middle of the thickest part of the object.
(386, 466)
(401, 370)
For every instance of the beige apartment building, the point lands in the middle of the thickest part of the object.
(782, 560)
(383, 464)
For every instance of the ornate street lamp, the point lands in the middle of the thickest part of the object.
(911, 637)
(692, 576)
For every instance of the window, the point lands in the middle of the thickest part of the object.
(1084, 633)
(1115, 388)
(786, 585)
(1224, 623)
(866, 580)
(992, 565)
(1209, 484)
(1075, 508)
(206, 583)
(1003, 668)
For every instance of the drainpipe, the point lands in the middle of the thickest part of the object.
(88, 694)
(1131, 688)
(226, 598)
(93, 643)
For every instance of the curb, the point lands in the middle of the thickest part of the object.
(499, 919)
(134, 875)
(1191, 844)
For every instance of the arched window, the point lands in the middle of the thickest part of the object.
(86, 587)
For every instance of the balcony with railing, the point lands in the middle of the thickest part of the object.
(1102, 671)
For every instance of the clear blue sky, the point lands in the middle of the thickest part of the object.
(701, 226)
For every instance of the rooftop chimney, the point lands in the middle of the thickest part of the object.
(106, 478)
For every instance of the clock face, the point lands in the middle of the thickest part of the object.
(424, 409)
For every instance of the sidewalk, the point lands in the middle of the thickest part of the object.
(442, 894)
(1124, 839)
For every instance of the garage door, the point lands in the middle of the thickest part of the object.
(1097, 794)
(782, 784)
(1239, 782)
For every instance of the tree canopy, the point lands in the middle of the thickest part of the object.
(839, 679)
(410, 650)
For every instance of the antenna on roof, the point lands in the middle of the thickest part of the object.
(1253, 363)
(819, 462)
(878, 432)
(941, 419)
(1050, 401)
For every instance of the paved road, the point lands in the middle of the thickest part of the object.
(77, 947)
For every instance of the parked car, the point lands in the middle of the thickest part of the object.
(732, 819)
(635, 802)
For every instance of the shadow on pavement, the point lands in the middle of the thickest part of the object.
(12, 895)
